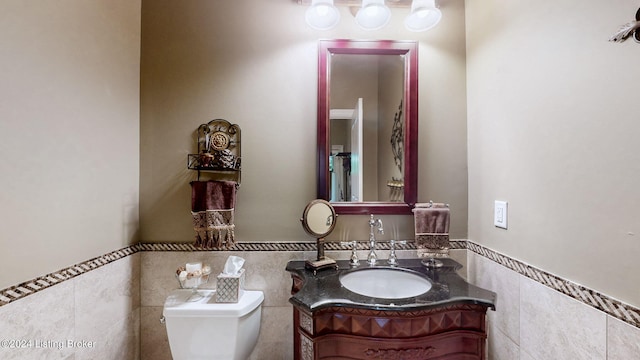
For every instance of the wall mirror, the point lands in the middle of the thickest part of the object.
(367, 125)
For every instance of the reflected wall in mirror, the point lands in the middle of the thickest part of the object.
(367, 125)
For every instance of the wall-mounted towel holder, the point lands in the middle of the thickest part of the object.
(219, 151)
(432, 232)
(431, 204)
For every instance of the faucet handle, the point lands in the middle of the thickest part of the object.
(393, 259)
(354, 247)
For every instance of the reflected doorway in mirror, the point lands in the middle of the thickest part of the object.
(389, 175)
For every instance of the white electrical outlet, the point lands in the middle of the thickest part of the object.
(500, 214)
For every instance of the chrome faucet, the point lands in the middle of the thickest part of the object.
(373, 223)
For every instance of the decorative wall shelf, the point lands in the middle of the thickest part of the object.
(219, 151)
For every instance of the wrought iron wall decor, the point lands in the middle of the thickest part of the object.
(218, 149)
(396, 185)
(630, 29)
(397, 138)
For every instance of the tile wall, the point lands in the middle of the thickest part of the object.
(265, 270)
(110, 307)
(536, 321)
(83, 312)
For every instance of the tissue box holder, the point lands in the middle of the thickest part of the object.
(230, 287)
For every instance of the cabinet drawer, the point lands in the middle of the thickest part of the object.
(455, 345)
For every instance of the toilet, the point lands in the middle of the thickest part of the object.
(207, 330)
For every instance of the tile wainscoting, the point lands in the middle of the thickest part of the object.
(265, 270)
(88, 311)
(540, 316)
(114, 304)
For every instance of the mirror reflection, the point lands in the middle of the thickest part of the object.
(318, 218)
(366, 127)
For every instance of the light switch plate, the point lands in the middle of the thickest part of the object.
(500, 214)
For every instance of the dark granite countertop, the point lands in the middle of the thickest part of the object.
(324, 290)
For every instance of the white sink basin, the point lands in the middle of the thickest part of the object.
(385, 283)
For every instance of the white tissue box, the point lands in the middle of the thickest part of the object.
(230, 287)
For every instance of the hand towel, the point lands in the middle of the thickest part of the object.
(212, 209)
(432, 230)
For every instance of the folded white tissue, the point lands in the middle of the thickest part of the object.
(230, 286)
(233, 265)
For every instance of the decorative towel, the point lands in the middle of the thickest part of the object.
(212, 208)
(432, 229)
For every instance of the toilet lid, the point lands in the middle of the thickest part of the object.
(177, 304)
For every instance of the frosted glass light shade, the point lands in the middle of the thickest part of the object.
(373, 15)
(322, 15)
(424, 15)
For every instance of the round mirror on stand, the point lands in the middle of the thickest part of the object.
(318, 220)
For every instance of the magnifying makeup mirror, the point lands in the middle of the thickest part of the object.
(318, 220)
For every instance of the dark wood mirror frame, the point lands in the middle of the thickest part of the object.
(378, 47)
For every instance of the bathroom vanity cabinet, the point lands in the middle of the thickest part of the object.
(446, 323)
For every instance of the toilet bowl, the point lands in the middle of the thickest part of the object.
(205, 329)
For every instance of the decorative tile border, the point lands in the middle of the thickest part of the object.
(30, 287)
(287, 246)
(613, 307)
(239, 246)
(610, 306)
(17, 292)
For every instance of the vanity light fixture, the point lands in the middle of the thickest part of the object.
(373, 15)
(424, 16)
(322, 15)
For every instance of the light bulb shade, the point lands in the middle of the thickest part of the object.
(322, 15)
(373, 15)
(424, 15)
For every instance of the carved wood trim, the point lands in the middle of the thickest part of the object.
(306, 348)
(459, 344)
(398, 324)
(306, 322)
(296, 284)
(400, 354)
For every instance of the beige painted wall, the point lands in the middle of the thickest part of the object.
(553, 127)
(69, 132)
(349, 81)
(390, 98)
(201, 60)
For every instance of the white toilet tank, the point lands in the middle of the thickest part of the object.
(205, 329)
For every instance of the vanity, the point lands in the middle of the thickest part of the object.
(447, 322)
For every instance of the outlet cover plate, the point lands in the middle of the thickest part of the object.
(500, 214)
